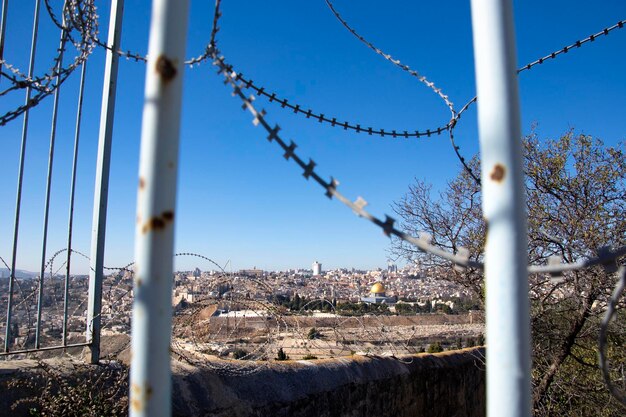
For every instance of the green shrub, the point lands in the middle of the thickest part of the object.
(435, 348)
(314, 334)
(240, 354)
(282, 356)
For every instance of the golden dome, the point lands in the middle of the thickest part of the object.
(377, 288)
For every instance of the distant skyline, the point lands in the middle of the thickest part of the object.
(238, 199)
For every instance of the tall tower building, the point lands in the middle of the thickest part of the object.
(317, 268)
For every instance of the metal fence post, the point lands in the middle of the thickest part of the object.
(150, 391)
(70, 221)
(507, 322)
(46, 211)
(20, 175)
(101, 189)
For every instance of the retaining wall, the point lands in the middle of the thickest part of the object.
(449, 384)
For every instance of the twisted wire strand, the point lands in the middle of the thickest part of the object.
(80, 14)
(72, 20)
(87, 28)
(191, 62)
(457, 148)
(321, 117)
(604, 32)
(85, 22)
(333, 121)
(422, 79)
(577, 44)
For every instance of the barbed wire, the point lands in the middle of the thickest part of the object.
(457, 148)
(87, 27)
(137, 57)
(334, 121)
(604, 32)
(450, 126)
(456, 116)
(460, 259)
(200, 341)
(577, 44)
(24, 298)
(77, 16)
(80, 15)
(195, 339)
(606, 257)
(423, 242)
(422, 79)
(300, 336)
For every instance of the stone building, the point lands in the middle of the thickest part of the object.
(378, 294)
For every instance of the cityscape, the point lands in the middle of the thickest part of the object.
(229, 312)
(390, 184)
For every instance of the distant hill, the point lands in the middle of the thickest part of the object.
(19, 273)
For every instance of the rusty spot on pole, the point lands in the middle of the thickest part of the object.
(142, 183)
(136, 402)
(156, 223)
(159, 222)
(140, 396)
(165, 68)
(497, 174)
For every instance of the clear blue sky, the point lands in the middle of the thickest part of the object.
(238, 199)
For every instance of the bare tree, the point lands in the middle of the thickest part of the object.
(453, 221)
(576, 200)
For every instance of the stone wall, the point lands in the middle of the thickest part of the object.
(448, 384)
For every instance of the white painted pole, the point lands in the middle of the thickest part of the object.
(101, 188)
(508, 323)
(150, 392)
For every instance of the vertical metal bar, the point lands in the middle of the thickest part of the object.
(46, 210)
(507, 304)
(101, 189)
(20, 176)
(3, 27)
(150, 393)
(70, 222)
